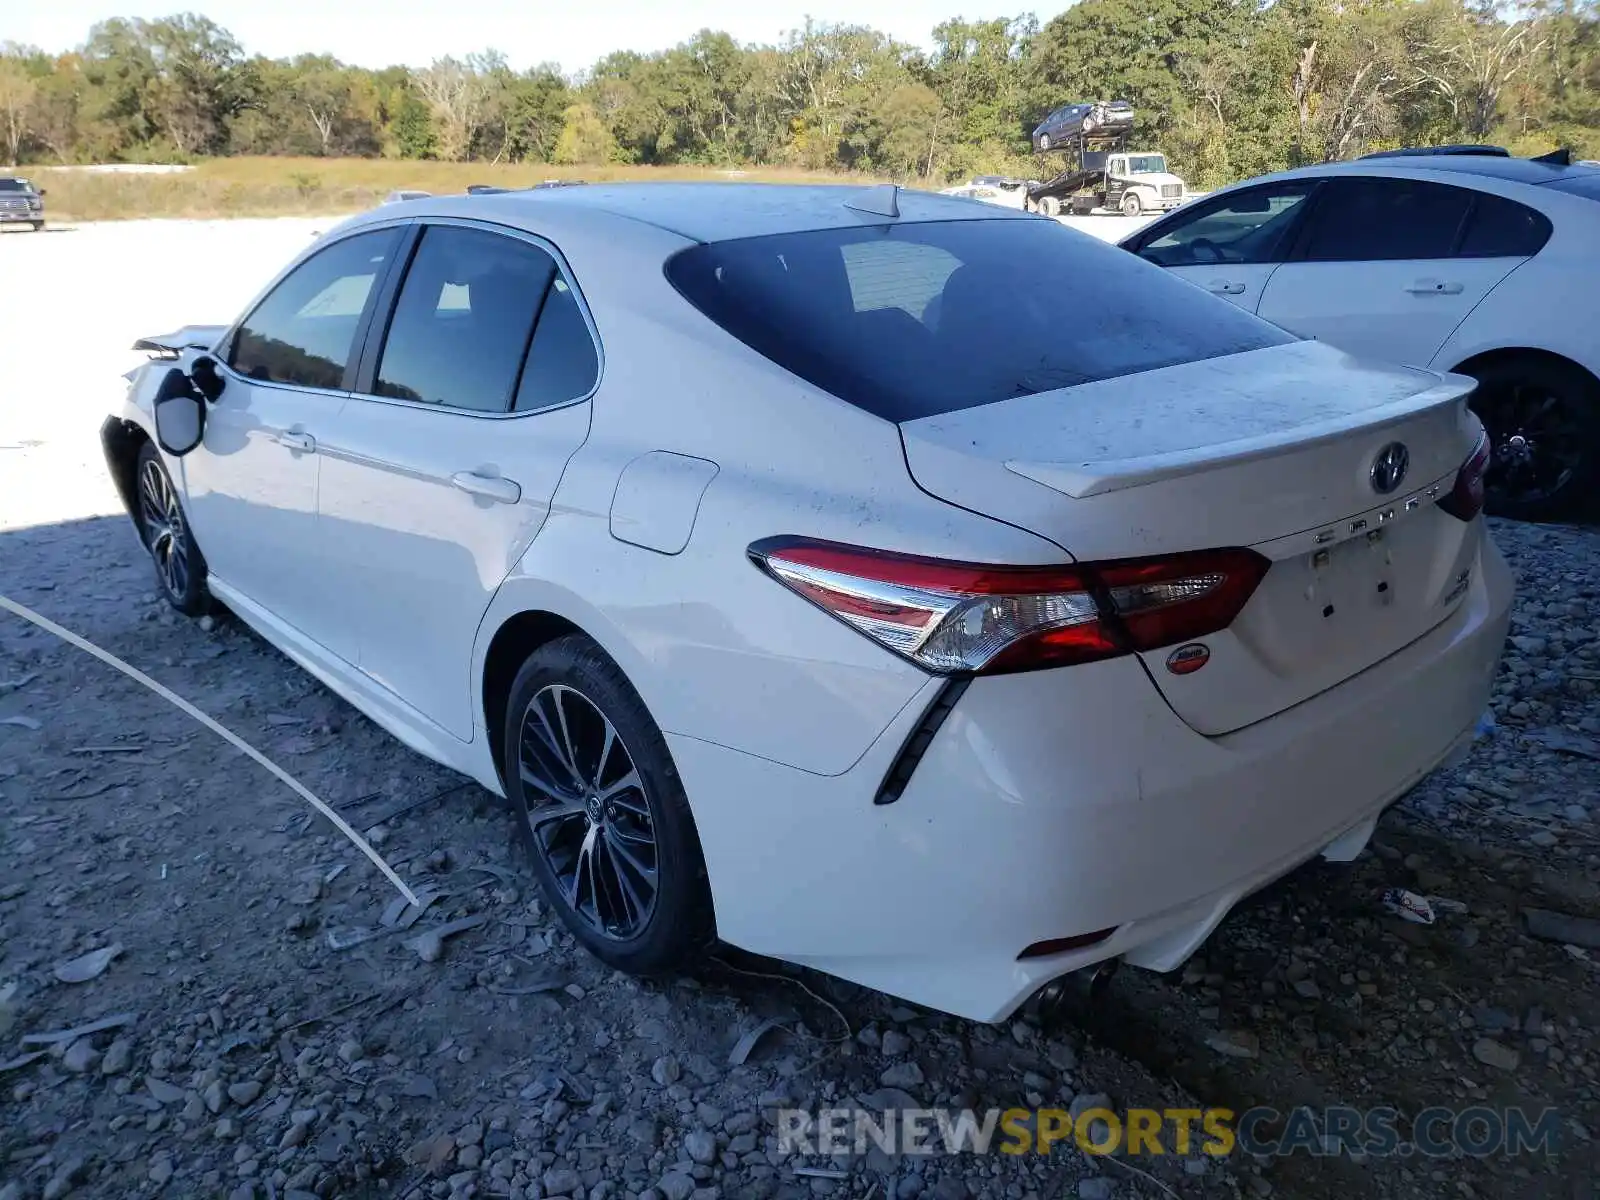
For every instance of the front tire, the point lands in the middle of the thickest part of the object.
(1044, 141)
(37, 226)
(164, 528)
(1543, 421)
(601, 813)
(1131, 205)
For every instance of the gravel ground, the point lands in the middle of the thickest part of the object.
(265, 1032)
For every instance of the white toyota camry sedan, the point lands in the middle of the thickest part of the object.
(807, 581)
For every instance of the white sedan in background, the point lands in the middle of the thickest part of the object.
(1471, 262)
(805, 582)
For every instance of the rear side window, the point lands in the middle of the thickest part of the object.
(463, 319)
(918, 319)
(562, 363)
(1501, 228)
(1376, 219)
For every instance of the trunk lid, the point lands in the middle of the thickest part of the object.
(1272, 449)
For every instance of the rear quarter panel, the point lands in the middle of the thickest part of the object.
(718, 650)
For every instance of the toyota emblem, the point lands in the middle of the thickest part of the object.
(1389, 468)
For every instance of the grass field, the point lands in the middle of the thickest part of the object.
(266, 187)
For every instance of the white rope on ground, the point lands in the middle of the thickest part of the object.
(233, 739)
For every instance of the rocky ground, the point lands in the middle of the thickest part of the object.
(206, 992)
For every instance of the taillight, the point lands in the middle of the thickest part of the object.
(1465, 500)
(962, 618)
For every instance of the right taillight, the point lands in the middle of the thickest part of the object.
(1465, 499)
(977, 618)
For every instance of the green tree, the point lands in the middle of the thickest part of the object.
(584, 137)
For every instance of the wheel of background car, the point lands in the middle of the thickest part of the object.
(1131, 206)
(601, 813)
(1044, 141)
(1543, 420)
(180, 567)
(1050, 206)
(1088, 123)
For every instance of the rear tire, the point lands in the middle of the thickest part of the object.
(164, 529)
(1050, 206)
(601, 813)
(1543, 420)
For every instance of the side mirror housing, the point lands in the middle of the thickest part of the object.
(180, 414)
(203, 371)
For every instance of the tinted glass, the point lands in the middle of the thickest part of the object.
(1501, 228)
(1374, 220)
(562, 363)
(305, 329)
(15, 185)
(461, 324)
(1249, 227)
(922, 318)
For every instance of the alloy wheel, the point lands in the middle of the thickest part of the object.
(588, 812)
(1536, 441)
(162, 517)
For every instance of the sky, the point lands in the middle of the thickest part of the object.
(378, 33)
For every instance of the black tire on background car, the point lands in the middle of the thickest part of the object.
(1543, 420)
(164, 527)
(1044, 141)
(37, 226)
(601, 812)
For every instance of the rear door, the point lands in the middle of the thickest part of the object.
(1230, 246)
(1388, 267)
(440, 470)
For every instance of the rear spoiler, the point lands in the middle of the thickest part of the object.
(190, 337)
(1083, 479)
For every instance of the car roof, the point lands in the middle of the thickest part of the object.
(714, 212)
(1491, 166)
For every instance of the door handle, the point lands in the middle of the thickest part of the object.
(1435, 287)
(490, 487)
(1224, 288)
(303, 442)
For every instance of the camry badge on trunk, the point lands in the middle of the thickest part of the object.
(1389, 468)
(1186, 660)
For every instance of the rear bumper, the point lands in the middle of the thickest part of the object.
(1056, 803)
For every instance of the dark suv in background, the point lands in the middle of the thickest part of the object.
(20, 201)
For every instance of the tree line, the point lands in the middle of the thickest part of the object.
(1227, 88)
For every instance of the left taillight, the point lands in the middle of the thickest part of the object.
(1465, 499)
(974, 618)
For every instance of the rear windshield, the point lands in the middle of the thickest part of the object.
(917, 319)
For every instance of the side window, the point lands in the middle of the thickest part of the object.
(1379, 219)
(462, 319)
(1249, 227)
(562, 363)
(1501, 228)
(304, 331)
